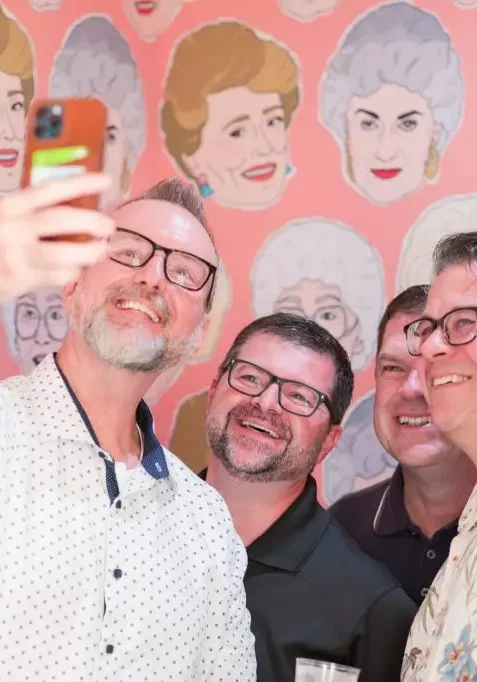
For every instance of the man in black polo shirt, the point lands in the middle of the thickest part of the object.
(274, 411)
(408, 521)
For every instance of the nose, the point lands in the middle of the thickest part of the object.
(42, 337)
(152, 274)
(412, 386)
(261, 143)
(268, 400)
(6, 128)
(386, 150)
(436, 346)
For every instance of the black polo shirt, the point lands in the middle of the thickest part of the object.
(377, 519)
(313, 593)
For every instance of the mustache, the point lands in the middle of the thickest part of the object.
(246, 412)
(138, 291)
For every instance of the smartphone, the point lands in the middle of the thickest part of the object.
(65, 137)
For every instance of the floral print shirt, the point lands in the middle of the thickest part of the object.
(442, 645)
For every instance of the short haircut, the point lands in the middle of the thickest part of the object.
(182, 194)
(303, 333)
(455, 249)
(411, 301)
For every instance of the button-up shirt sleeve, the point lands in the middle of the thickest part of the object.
(235, 660)
(380, 651)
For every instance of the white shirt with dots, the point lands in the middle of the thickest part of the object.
(102, 584)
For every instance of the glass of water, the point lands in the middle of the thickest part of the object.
(308, 670)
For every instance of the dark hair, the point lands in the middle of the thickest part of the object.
(411, 301)
(185, 195)
(303, 333)
(455, 249)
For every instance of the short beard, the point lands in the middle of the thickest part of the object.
(128, 349)
(290, 465)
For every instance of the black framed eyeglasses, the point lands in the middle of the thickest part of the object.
(459, 327)
(293, 396)
(134, 250)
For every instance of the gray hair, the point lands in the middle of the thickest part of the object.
(95, 59)
(398, 44)
(451, 215)
(357, 454)
(317, 248)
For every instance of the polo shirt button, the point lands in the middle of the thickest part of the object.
(118, 504)
(117, 573)
(109, 649)
(431, 554)
(424, 591)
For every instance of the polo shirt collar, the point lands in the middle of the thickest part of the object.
(60, 416)
(288, 543)
(391, 516)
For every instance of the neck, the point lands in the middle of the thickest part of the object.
(100, 389)
(254, 506)
(435, 496)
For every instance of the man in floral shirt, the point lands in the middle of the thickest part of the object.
(442, 645)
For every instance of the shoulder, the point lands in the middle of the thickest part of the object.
(351, 507)
(370, 578)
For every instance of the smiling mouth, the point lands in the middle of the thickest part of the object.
(260, 428)
(145, 7)
(8, 157)
(261, 173)
(124, 304)
(423, 420)
(449, 379)
(385, 173)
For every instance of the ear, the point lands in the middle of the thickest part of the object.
(436, 132)
(211, 391)
(69, 289)
(329, 443)
(192, 165)
(125, 178)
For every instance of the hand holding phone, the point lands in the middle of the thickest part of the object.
(32, 218)
(65, 138)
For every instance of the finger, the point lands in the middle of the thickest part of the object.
(68, 220)
(51, 193)
(63, 255)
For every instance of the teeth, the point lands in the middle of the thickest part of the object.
(135, 305)
(7, 157)
(259, 427)
(449, 379)
(415, 421)
(259, 171)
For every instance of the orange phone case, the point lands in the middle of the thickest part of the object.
(78, 148)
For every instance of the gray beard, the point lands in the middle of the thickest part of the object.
(128, 348)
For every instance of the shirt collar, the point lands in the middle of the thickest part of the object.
(60, 416)
(391, 516)
(288, 543)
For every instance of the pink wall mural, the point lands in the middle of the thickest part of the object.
(329, 139)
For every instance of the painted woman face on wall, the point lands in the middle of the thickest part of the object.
(390, 139)
(12, 131)
(151, 17)
(243, 154)
(322, 302)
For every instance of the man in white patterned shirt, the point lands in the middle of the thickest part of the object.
(442, 645)
(117, 564)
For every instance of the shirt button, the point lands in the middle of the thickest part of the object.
(118, 504)
(431, 554)
(424, 591)
(109, 649)
(117, 573)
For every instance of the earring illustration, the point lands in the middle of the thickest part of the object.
(289, 169)
(431, 167)
(205, 189)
